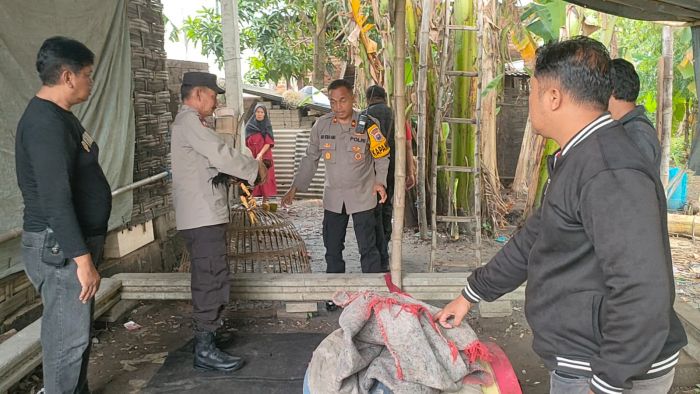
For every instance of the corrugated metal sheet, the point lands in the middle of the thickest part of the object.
(290, 145)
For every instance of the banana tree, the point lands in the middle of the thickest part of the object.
(464, 102)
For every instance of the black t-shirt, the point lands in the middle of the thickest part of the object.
(62, 183)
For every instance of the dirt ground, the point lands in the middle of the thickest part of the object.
(123, 361)
(452, 256)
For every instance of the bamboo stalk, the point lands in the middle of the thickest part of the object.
(665, 108)
(319, 70)
(437, 132)
(422, 97)
(400, 142)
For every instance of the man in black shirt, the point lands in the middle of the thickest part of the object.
(67, 203)
(622, 107)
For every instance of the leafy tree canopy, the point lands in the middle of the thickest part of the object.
(279, 32)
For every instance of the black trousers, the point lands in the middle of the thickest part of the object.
(383, 214)
(211, 286)
(334, 228)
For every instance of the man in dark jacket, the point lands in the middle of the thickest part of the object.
(596, 255)
(377, 108)
(623, 107)
(67, 203)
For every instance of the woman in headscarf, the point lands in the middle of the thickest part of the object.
(260, 140)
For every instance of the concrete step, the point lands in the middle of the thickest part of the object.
(690, 317)
(687, 371)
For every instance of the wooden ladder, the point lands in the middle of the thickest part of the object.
(446, 79)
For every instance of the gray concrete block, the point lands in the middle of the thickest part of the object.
(498, 308)
(282, 314)
(296, 307)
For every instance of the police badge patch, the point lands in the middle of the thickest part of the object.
(377, 143)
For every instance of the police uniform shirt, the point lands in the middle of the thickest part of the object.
(351, 169)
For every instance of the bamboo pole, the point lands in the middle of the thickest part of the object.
(232, 63)
(422, 97)
(319, 70)
(400, 144)
(487, 123)
(665, 108)
(437, 132)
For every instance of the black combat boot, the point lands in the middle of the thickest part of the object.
(207, 357)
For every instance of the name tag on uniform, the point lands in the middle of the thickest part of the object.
(87, 141)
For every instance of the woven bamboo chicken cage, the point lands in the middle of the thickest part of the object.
(270, 245)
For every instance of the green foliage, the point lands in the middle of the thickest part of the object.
(549, 149)
(645, 54)
(256, 74)
(679, 152)
(544, 18)
(204, 30)
(174, 30)
(493, 85)
(280, 32)
(282, 38)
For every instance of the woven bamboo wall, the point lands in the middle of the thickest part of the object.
(153, 117)
(151, 108)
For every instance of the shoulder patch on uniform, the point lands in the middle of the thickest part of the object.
(378, 145)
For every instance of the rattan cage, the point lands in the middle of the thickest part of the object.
(271, 245)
